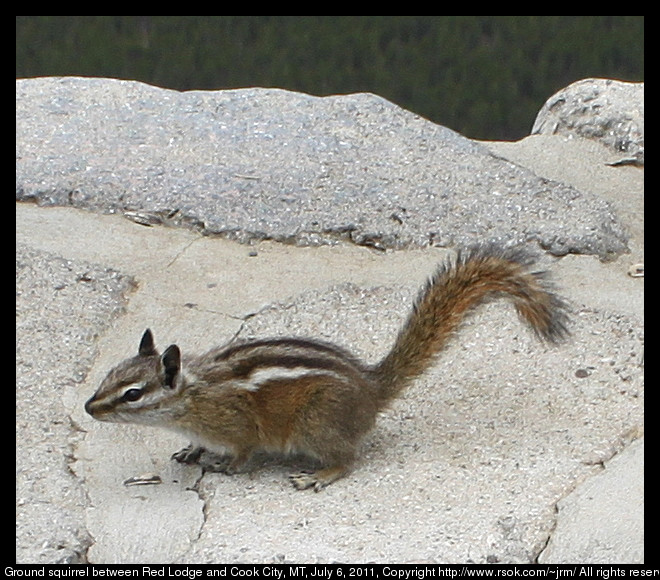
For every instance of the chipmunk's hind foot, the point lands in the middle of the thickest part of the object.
(318, 480)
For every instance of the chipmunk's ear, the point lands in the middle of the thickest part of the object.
(147, 346)
(171, 361)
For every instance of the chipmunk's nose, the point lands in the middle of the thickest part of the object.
(88, 406)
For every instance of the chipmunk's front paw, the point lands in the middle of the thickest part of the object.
(207, 460)
(188, 455)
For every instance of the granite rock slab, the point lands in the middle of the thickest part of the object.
(254, 164)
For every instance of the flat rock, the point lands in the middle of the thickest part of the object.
(255, 164)
(467, 466)
(613, 502)
(62, 306)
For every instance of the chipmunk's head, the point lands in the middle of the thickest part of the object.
(141, 389)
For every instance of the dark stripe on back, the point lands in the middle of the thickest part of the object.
(296, 343)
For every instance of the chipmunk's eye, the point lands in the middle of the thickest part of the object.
(132, 395)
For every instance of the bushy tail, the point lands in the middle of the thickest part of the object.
(476, 275)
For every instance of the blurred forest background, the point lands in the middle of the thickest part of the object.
(483, 76)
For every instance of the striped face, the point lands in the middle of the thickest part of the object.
(132, 392)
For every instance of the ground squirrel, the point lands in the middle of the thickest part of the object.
(297, 395)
